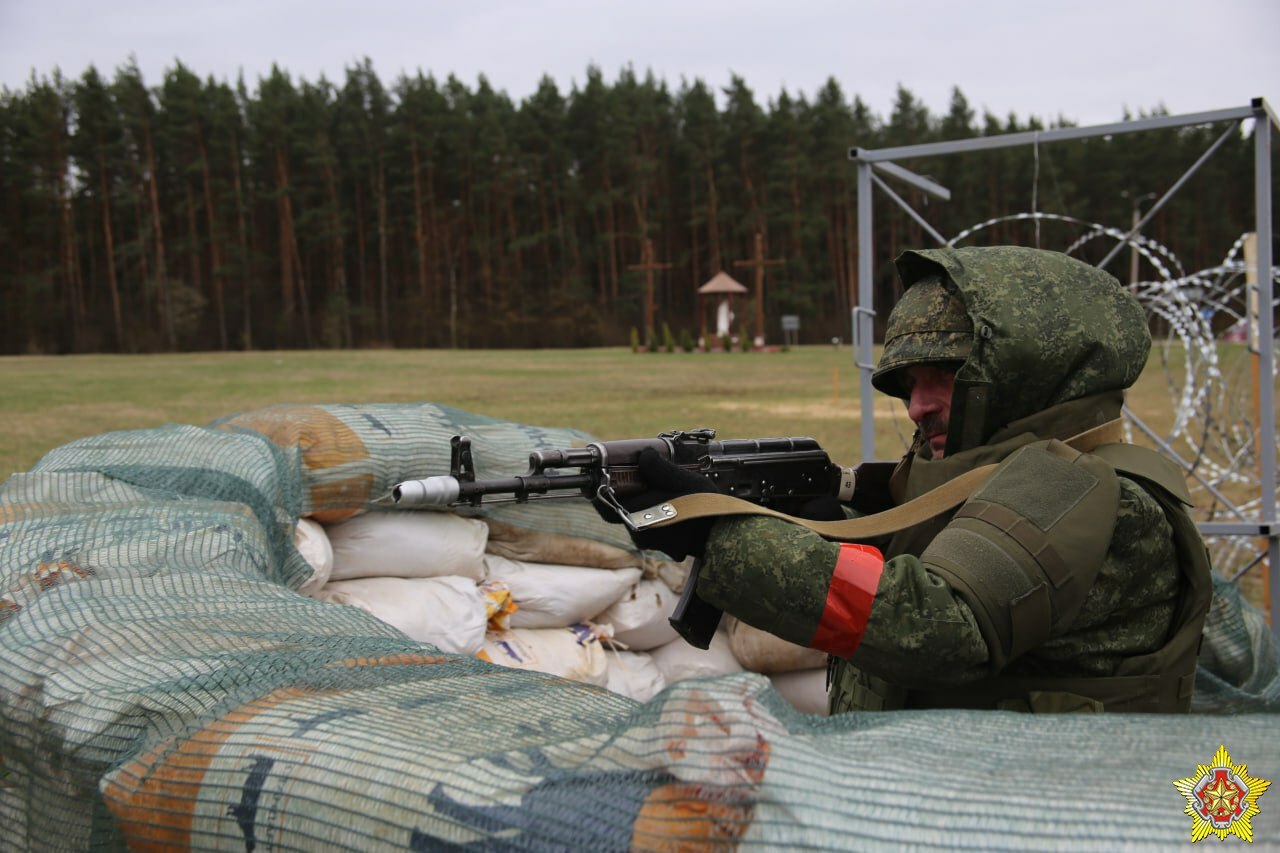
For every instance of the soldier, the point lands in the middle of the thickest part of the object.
(1071, 579)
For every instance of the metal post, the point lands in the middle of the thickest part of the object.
(1265, 120)
(863, 328)
(1262, 130)
(1133, 246)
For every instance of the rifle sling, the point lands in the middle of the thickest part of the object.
(950, 494)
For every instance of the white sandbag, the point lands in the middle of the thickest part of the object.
(574, 653)
(641, 617)
(535, 546)
(449, 612)
(760, 651)
(678, 660)
(555, 596)
(805, 689)
(313, 544)
(408, 544)
(634, 674)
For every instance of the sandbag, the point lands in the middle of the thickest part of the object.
(760, 651)
(635, 675)
(408, 544)
(536, 546)
(805, 689)
(173, 691)
(574, 653)
(555, 596)
(641, 617)
(313, 544)
(450, 613)
(678, 660)
(673, 574)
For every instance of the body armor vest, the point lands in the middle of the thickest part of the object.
(1019, 602)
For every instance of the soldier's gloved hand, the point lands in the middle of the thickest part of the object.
(822, 508)
(663, 481)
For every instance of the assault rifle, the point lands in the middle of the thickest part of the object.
(781, 473)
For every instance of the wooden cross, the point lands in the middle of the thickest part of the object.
(759, 263)
(648, 265)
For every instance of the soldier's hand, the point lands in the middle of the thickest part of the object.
(822, 508)
(663, 481)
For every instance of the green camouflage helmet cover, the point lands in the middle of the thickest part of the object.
(1045, 328)
(929, 325)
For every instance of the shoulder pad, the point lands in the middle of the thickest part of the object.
(1025, 549)
(1146, 464)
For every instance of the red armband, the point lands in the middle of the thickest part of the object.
(853, 587)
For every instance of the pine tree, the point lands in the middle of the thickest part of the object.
(98, 147)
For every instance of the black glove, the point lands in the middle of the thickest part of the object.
(663, 481)
(822, 508)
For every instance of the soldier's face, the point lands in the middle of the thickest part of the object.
(929, 403)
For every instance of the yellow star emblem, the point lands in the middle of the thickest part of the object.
(1222, 798)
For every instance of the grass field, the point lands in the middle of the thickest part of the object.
(48, 401)
(611, 393)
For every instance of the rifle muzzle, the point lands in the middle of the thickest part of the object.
(432, 491)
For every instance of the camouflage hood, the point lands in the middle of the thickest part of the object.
(1047, 329)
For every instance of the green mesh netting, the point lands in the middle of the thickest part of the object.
(163, 686)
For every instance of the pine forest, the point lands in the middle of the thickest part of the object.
(200, 214)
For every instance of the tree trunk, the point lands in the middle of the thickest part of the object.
(215, 252)
(713, 217)
(694, 249)
(384, 309)
(304, 303)
(602, 276)
(544, 215)
(162, 274)
(245, 291)
(366, 301)
(337, 264)
(70, 265)
(435, 241)
(513, 234)
(840, 284)
(797, 245)
(568, 242)
(143, 238)
(113, 286)
(193, 238)
(611, 223)
(419, 224)
(285, 213)
(754, 214)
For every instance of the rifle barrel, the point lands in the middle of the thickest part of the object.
(446, 491)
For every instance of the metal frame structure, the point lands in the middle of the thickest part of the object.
(872, 163)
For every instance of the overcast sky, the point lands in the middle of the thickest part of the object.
(1084, 60)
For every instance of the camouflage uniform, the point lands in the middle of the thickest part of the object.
(1105, 565)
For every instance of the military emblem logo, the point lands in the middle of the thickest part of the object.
(1222, 798)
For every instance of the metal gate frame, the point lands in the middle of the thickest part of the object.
(871, 161)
